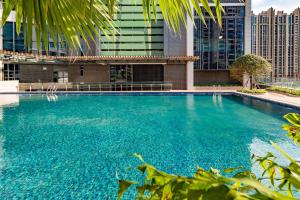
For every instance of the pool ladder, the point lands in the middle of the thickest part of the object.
(217, 90)
(51, 89)
(50, 93)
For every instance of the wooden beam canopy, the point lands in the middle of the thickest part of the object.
(28, 58)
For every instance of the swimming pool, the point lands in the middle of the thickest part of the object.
(77, 146)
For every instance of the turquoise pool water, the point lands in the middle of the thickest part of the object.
(78, 146)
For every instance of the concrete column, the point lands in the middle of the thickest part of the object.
(190, 76)
(190, 52)
(1, 71)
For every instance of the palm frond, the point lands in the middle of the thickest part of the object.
(69, 19)
(75, 19)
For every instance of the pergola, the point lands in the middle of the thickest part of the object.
(9, 57)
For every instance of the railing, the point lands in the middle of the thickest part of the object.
(291, 83)
(93, 87)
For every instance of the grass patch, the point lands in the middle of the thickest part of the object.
(284, 90)
(254, 91)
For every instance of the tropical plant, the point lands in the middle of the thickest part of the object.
(251, 66)
(72, 19)
(214, 185)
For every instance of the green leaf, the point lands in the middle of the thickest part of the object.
(139, 157)
(123, 187)
(229, 170)
(293, 118)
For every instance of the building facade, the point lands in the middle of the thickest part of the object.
(294, 43)
(275, 36)
(218, 47)
(167, 56)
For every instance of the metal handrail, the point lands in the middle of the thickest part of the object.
(103, 86)
(292, 83)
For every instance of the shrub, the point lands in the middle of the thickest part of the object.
(284, 90)
(255, 91)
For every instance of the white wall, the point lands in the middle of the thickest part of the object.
(9, 86)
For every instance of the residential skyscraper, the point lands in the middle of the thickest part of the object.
(275, 36)
(294, 43)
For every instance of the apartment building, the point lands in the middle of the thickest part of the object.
(275, 36)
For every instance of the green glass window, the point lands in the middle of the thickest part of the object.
(134, 36)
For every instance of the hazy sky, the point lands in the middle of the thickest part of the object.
(286, 5)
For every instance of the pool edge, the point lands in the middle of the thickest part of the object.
(169, 93)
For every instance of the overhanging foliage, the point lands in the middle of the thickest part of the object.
(70, 19)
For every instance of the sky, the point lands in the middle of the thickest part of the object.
(286, 5)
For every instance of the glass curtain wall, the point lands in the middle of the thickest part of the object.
(219, 47)
(11, 40)
(134, 37)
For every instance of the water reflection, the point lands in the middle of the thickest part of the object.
(217, 100)
(9, 99)
(190, 102)
(52, 97)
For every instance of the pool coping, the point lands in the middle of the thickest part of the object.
(135, 93)
(274, 101)
(183, 92)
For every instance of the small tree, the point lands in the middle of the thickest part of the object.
(253, 66)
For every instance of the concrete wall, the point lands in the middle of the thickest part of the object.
(36, 73)
(210, 77)
(177, 75)
(39, 73)
(9, 86)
